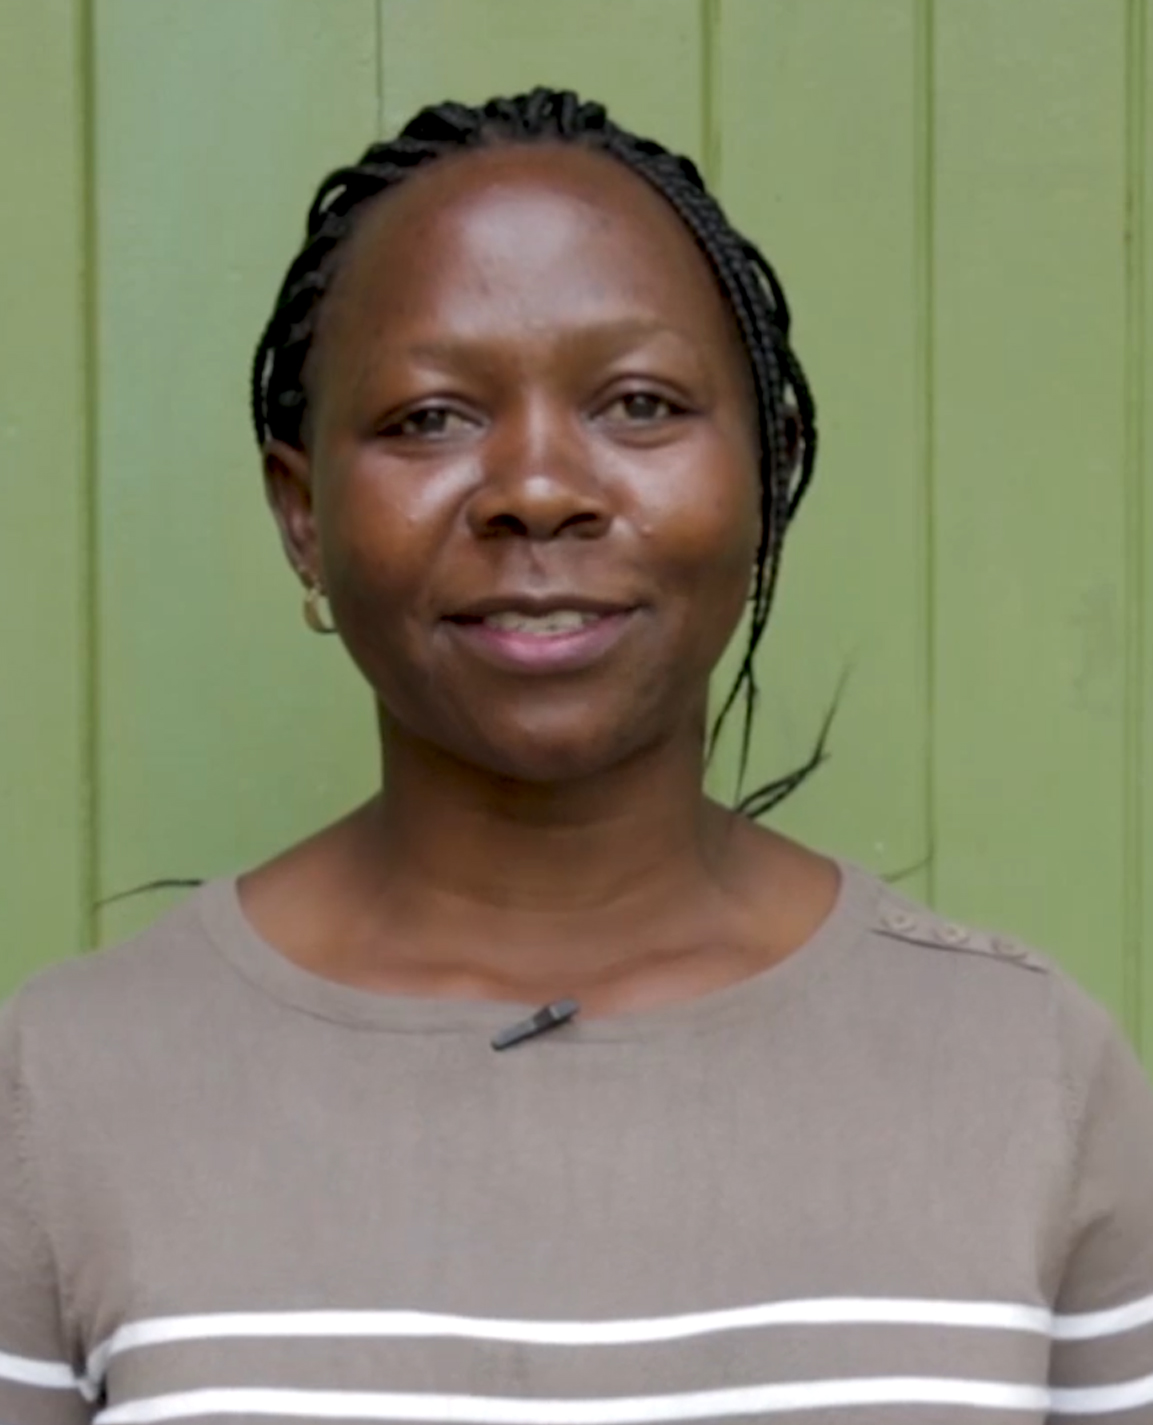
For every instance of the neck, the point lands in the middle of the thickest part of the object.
(562, 849)
(628, 888)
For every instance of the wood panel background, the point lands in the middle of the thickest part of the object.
(954, 192)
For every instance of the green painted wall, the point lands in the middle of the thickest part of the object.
(953, 191)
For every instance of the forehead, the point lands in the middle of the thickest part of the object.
(545, 235)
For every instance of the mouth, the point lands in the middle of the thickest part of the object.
(557, 635)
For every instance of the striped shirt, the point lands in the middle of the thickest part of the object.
(904, 1176)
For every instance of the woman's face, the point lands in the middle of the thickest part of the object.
(531, 485)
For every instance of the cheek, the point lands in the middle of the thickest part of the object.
(701, 524)
(379, 529)
(375, 550)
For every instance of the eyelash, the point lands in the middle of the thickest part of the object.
(670, 408)
(396, 429)
(403, 427)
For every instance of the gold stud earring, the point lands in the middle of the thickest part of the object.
(314, 616)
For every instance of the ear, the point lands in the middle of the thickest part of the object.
(288, 486)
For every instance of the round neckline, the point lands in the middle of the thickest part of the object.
(268, 969)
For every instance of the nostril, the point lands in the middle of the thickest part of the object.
(506, 524)
(585, 524)
(538, 507)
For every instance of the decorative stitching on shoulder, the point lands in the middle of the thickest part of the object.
(897, 919)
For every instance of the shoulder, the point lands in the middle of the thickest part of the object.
(889, 916)
(66, 1018)
(1010, 999)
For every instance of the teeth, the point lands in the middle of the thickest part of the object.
(559, 621)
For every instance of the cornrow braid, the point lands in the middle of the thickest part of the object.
(786, 414)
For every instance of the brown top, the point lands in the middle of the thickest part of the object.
(904, 1176)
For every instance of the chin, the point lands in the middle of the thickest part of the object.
(546, 745)
(549, 762)
(553, 754)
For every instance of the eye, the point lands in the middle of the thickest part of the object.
(428, 423)
(642, 406)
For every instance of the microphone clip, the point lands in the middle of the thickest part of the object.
(552, 1015)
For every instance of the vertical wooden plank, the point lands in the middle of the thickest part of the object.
(819, 117)
(1030, 548)
(225, 728)
(640, 57)
(43, 479)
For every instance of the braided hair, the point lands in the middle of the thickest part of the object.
(786, 414)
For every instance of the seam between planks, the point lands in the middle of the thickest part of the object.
(710, 41)
(923, 302)
(378, 32)
(1135, 499)
(88, 653)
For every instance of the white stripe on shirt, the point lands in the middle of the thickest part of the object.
(622, 1410)
(1088, 1325)
(1102, 1399)
(825, 1311)
(24, 1370)
(828, 1311)
(821, 1311)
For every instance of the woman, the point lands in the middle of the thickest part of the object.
(763, 1140)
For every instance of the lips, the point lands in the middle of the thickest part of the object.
(538, 605)
(560, 634)
(550, 625)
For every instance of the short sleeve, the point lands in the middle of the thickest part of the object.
(1102, 1359)
(38, 1385)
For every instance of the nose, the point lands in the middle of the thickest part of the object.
(538, 480)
